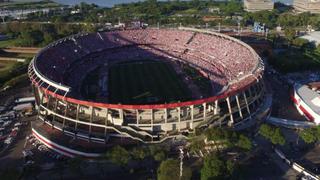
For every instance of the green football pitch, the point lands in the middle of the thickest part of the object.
(145, 83)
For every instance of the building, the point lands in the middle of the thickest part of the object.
(307, 100)
(258, 5)
(312, 6)
(74, 126)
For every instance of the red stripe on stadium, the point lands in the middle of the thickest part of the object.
(64, 151)
(156, 106)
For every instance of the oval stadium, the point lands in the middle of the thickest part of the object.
(143, 86)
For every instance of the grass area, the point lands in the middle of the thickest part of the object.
(147, 82)
(6, 65)
(12, 72)
(296, 60)
(202, 82)
(8, 43)
(17, 80)
(17, 42)
(11, 69)
(90, 82)
(190, 11)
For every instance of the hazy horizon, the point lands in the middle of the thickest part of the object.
(110, 3)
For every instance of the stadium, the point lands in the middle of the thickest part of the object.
(143, 86)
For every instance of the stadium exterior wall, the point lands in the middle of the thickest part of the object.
(61, 149)
(152, 124)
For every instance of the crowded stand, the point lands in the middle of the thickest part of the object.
(85, 42)
(223, 60)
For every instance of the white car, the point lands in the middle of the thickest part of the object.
(8, 140)
(42, 148)
(30, 137)
(32, 140)
(29, 163)
(27, 153)
(35, 144)
(7, 123)
(17, 124)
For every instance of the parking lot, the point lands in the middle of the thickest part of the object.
(18, 148)
(11, 156)
(26, 151)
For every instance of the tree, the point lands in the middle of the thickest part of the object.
(118, 155)
(196, 144)
(157, 152)
(272, 134)
(290, 34)
(303, 18)
(244, 143)
(268, 18)
(231, 7)
(310, 135)
(186, 173)
(48, 38)
(170, 170)
(159, 156)
(287, 20)
(138, 153)
(277, 137)
(230, 167)
(213, 167)
(218, 135)
(225, 137)
(300, 43)
(266, 131)
(30, 38)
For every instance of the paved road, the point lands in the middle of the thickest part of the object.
(282, 104)
(287, 171)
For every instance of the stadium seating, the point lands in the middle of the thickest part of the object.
(222, 59)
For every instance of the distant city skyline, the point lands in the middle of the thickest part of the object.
(110, 3)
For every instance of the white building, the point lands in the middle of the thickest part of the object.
(307, 100)
(312, 6)
(258, 5)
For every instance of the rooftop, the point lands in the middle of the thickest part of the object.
(310, 97)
